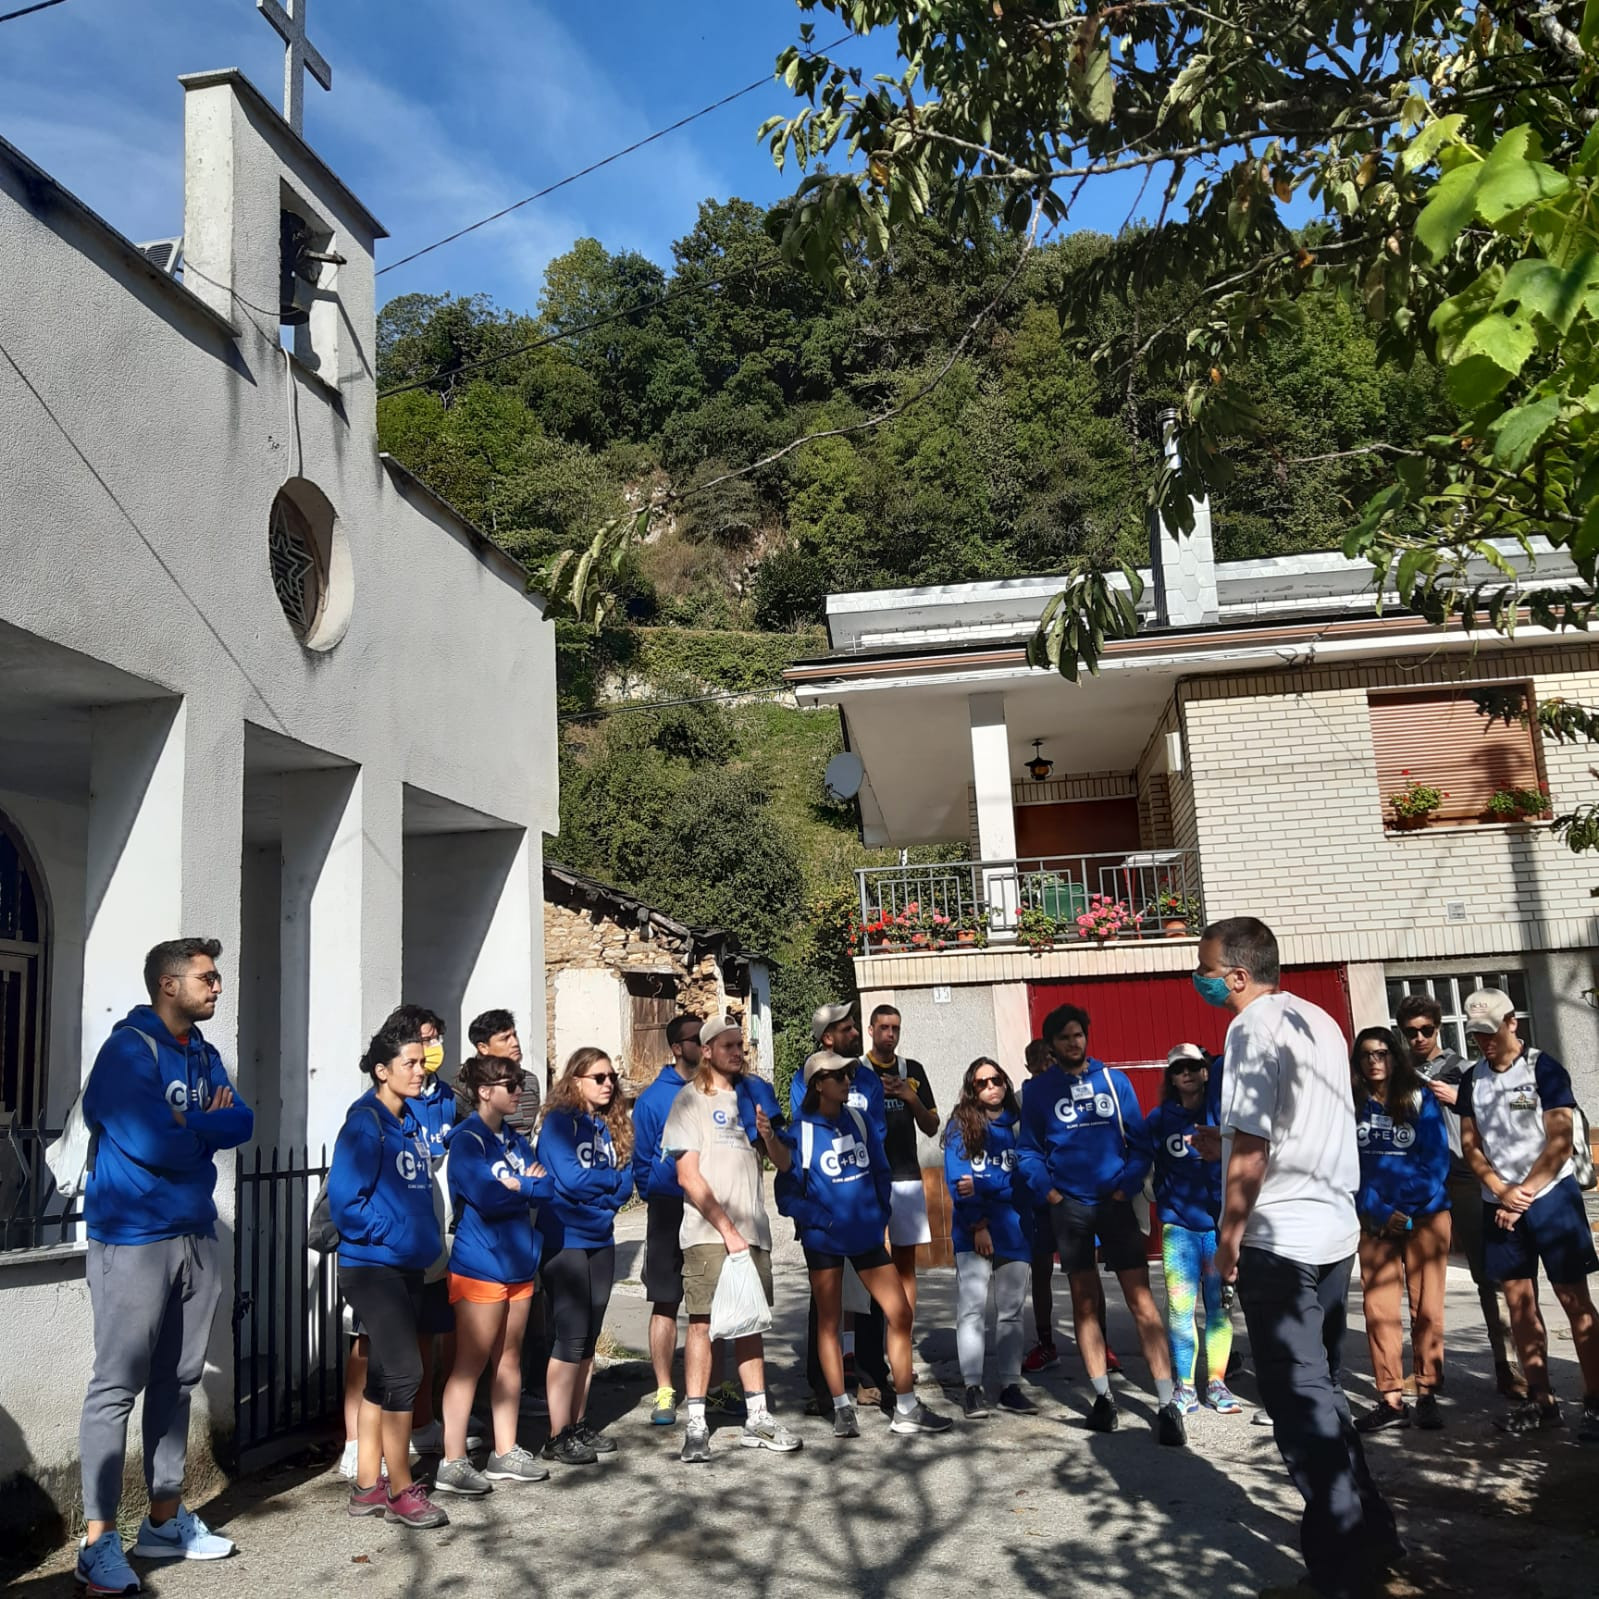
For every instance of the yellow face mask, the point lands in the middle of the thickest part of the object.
(432, 1057)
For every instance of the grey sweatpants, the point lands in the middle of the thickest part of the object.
(153, 1306)
(1010, 1279)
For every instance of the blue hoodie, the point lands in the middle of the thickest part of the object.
(1187, 1189)
(1000, 1194)
(1071, 1140)
(153, 1179)
(865, 1095)
(495, 1239)
(654, 1172)
(434, 1111)
(380, 1189)
(1405, 1167)
(839, 1201)
(589, 1185)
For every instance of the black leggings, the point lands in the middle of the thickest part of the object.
(578, 1282)
(388, 1302)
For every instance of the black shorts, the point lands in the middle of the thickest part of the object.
(437, 1317)
(663, 1250)
(866, 1260)
(1111, 1221)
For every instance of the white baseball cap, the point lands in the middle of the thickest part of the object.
(1486, 1010)
(827, 1016)
(715, 1027)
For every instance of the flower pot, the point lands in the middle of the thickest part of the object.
(966, 936)
(1175, 927)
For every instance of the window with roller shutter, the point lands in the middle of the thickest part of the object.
(1439, 738)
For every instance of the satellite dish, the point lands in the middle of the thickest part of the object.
(844, 775)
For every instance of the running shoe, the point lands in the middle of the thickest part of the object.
(1531, 1415)
(347, 1459)
(846, 1424)
(1169, 1428)
(919, 1419)
(1015, 1402)
(975, 1405)
(1220, 1398)
(411, 1507)
(1185, 1399)
(598, 1442)
(1588, 1427)
(726, 1399)
(1382, 1416)
(1261, 1418)
(567, 1449)
(1103, 1416)
(103, 1566)
(428, 1440)
(767, 1432)
(665, 1412)
(696, 1443)
(1112, 1365)
(460, 1477)
(1429, 1417)
(182, 1536)
(373, 1501)
(1041, 1357)
(515, 1465)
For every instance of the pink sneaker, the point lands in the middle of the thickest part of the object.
(412, 1508)
(371, 1501)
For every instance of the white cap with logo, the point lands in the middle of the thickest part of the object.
(1486, 1010)
(714, 1028)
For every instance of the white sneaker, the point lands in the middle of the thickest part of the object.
(428, 1440)
(348, 1458)
(181, 1537)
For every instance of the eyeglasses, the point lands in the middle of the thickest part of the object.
(987, 1082)
(1374, 1054)
(208, 979)
(601, 1077)
(1428, 1031)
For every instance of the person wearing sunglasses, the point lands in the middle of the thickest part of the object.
(494, 1259)
(1420, 1020)
(836, 1188)
(1403, 1204)
(990, 1229)
(585, 1142)
(1188, 1202)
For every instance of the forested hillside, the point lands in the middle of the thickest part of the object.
(1024, 457)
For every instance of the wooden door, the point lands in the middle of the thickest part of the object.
(652, 1003)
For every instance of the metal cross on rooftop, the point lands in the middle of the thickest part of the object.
(300, 55)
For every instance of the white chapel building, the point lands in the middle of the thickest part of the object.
(257, 683)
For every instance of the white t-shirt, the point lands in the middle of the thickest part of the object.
(710, 1125)
(1286, 1079)
(1508, 1109)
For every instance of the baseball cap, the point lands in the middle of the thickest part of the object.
(714, 1028)
(1486, 1010)
(825, 1060)
(826, 1017)
(1187, 1052)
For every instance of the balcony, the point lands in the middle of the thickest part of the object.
(1037, 903)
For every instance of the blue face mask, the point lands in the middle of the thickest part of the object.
(1213, 990)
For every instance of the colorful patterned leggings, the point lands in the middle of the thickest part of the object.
(1190, 1261)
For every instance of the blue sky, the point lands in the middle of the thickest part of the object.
(441, 112)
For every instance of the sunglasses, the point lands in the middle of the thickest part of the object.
(1419, 1032)
(835, 1074)
(1189, 1068)
(1374, 1054)
(601, 1077)
(986, 1082)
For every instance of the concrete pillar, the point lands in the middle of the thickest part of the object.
(502, 973)
(1184, 565)
(996, 814)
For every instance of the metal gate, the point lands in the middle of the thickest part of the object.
(288, 1344)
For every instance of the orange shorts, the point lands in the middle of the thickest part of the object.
(475, 1292)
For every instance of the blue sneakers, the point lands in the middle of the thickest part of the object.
(103, 1567)
(181, 1537)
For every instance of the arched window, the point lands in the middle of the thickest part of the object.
(24, 943)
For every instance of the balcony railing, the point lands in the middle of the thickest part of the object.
(1037, 902)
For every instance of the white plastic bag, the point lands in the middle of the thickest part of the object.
(738, 1307)
(69, 1156)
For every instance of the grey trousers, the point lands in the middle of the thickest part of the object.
(1010, 1278)
(153, 1307)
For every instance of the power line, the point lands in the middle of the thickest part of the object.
(638, 144)
(28, 11)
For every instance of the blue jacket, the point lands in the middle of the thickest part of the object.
(433, 1110)
(1000, 1194)
(1187, 1189)
(1071, 1139)
(153, 1179)
(839, 1199)
(1403, 1168)
(654, 1174)
(380, 1190)
(866, 1096)
(588, 1185)
(495, 1239)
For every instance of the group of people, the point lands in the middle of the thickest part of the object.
(1271, 1169)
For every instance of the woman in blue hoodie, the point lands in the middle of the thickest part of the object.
(494, 1258)
(1403, 1203)
(380, 1198)
(991, 1230)
(586, 1145)
(1188, 1202)
(837, 1192)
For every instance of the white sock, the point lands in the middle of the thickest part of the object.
(905, 1404)
(754, 1405)
(841, 1401)
(849, 1343)
(696, 1411)
(1163, 1387)
(1101, 1383)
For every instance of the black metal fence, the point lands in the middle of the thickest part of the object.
(33, 1215)
(288, 1344)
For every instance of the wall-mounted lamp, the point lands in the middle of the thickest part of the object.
(1038, 766)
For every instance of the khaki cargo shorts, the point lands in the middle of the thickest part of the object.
(702, 1270)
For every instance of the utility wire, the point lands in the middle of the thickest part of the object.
(594, 166)
(28, 11)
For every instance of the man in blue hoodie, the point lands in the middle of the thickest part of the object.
(655, 1178)
(159, 1105)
